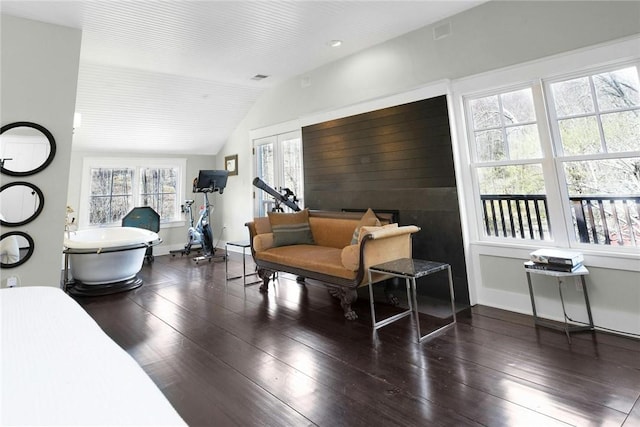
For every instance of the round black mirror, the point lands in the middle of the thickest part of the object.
(21, 202)
(16, 247)
(25, 148)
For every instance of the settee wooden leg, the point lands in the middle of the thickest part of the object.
(346, 297)
(265, 275)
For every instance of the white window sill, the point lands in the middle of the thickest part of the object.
(628, 260)
(172, 224)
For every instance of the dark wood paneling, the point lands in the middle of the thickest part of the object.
(395, 158)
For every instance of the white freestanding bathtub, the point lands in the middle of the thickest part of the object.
(106, 256)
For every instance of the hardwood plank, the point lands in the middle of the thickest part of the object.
(228, 355)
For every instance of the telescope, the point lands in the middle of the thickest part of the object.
(280, 198)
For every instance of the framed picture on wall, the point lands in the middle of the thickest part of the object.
(231, 164)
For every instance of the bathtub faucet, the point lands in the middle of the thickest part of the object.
(68, 226)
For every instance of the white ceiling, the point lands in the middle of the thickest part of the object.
(175, 76)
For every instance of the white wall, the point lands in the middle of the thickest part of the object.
(491, 36)
(174, 237)
(38, 84)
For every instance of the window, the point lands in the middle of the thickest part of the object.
(596, 124)
(507, 164)
(111, 195)
(114, 186)
(584, 164)
(279, 165)
(158, 189)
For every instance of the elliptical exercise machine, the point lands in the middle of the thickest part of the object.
(200, 234)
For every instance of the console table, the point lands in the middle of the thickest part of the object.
(559, 275)
(410, 270)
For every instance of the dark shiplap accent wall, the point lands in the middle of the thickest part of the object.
(395, 158)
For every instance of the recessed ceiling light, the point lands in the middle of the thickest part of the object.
(259, 77)
(335, 43)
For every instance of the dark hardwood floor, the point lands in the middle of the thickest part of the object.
(224, 356)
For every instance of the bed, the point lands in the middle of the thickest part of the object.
(57, 367)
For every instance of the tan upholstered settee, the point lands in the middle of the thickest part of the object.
(331, 257)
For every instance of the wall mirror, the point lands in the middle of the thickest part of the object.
(16, 247)
(25, 148)
(20, 202)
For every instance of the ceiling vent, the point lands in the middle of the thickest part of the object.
(442, 31)
(259, 77)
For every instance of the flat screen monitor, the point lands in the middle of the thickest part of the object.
(210, 181)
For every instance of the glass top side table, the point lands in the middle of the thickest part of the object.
(411, 269)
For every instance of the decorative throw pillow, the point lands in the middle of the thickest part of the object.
(369, 219)
(291, 228)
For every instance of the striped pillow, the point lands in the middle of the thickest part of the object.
(291, 228)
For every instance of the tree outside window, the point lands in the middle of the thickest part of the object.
(508, 165)
(597, 129)
(111, 195)
(595, 144)
(118, 185)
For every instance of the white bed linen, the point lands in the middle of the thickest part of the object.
(58, 367)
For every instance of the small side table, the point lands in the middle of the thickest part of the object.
(244, 245)
(410, 270)
(567, 328)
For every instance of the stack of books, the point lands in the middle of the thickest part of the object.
(555, 260)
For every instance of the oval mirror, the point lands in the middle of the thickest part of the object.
(16, 247)
(21, 202)
(25, 148)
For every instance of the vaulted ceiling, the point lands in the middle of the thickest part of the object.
(177, 76)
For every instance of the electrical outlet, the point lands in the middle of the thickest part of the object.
(13, 281)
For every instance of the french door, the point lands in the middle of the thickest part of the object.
(279, 164)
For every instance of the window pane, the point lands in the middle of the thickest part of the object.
(514, 203)
(572, 97)
(122, 181)
(518, 107)
(485, 113)
(149, 181)
(100, 182)
(169, 179)
(524, 142)
(622, 131)
(580, 136)
(120, 206)
(99, 210)
(618, 89)
(511, 115)
(167, 206)
(156, 186)
(605, 200)
(519, 179)
(292, 165)
(603, 177)
(266, 172)
(151, 200)
(489, 145)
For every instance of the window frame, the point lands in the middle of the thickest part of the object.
(560, 158)
(137, 164)
(546, 165)
(588, 61)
